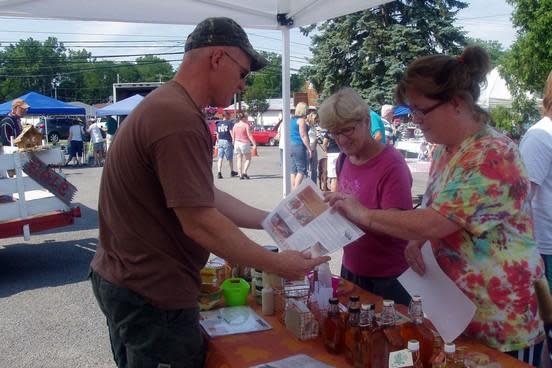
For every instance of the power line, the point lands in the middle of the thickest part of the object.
(486, 16)
(108, 56)
(95, 68)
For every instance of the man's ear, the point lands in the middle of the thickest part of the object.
(216, 57)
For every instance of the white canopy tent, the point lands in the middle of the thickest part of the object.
(265, 14)
(495, 93)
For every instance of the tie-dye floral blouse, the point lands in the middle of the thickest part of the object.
(482, 186)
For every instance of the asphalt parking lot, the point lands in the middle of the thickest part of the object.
(48, 314)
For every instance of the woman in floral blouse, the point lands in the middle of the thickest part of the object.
(476, 212)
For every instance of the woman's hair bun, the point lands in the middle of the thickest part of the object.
(478, 62)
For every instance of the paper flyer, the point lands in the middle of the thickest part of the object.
(304, 222)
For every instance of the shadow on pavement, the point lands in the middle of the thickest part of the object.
(33, 266)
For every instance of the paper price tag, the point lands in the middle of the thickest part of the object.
(401, 358)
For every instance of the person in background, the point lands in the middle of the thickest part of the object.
(160, 214)
(111, 129)
(76, 143)
(378, 177)
(536, 152)
(97, 141)
(10, 125)
(475, 211)
(243, 140)
(300, 150)
(377, 127)
(312, 121)
(280, 140)
(225, 139)
(387, 119)
(329, 145)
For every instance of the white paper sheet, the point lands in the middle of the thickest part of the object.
(445, 305)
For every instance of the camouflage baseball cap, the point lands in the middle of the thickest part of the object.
(223, 31)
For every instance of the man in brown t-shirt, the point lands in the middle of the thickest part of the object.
(161, 216)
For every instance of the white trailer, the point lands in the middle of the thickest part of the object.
(25, 205)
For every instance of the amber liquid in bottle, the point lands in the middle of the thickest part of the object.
(385, 338)
(334, 329)
(352, 333)
(366, 327)
(414, 348)
(416, 330)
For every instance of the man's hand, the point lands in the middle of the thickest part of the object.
(413, 256)
(348, 206)
(294, 265)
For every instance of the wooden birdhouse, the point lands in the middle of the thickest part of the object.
(29, 138)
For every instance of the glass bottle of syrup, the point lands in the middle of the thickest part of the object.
(416, 330)
(333, 329)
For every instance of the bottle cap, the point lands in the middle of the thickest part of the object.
(416, 298)
(334, 301)
(450, 348)
(354, 298)
(388, 303)
(367, 307)
(413, 345)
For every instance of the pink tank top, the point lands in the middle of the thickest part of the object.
(240, 132)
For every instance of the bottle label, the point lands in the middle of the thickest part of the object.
(401, 358)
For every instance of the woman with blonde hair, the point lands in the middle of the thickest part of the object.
(375, 174)
(242, 144)
(475, 212)
(300, 150)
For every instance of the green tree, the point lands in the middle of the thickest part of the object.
(530, 58)
(152, 68)
(297, 83)
(256, 99)
(30, 65)
(369, 50)
(503, 118)
(269, 78)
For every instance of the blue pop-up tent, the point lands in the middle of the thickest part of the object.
(43, 105)
(123, 107)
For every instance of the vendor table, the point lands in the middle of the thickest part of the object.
(246, 350)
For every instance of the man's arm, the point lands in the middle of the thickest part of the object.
(238, 212)
(217, 234)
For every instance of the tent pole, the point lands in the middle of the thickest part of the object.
(285, 131)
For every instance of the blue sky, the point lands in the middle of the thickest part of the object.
(486, 19)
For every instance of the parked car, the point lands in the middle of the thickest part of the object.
(213, 129)
(265, 136)
(58, 127)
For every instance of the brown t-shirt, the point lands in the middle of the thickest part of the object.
(160, 159)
